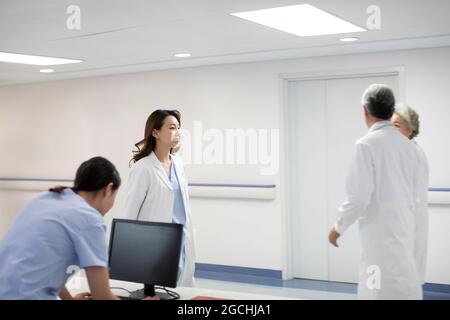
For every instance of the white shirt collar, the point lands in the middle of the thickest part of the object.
(381, 124)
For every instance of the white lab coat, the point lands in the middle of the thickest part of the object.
(382, 195)
(150, 198)
(421, 246)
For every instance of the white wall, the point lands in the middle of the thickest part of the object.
(47, 129)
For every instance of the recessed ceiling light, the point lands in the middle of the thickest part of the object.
(301, 20)
(353, 39)
(34, 60)
(182, 55)
(46, 70)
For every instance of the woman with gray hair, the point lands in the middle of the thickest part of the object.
(407, 122)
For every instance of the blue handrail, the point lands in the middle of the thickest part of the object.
(439, 189)
(233, 185)
(193, 184)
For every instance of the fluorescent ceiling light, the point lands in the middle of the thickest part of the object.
(301, 20)
(349, 39)
(46, 70)
(34, 60)
(182, 55)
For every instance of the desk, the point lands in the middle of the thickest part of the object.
(80, 285)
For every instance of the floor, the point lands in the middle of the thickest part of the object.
(296, 288)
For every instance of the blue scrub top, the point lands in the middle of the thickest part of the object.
(179, 212)
(53, 234)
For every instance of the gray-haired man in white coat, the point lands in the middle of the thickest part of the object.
(381, 194)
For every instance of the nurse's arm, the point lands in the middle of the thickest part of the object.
(98, 279)
(65, 294)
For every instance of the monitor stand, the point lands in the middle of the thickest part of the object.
(149, 290)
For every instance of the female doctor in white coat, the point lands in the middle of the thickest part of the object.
(157, 186)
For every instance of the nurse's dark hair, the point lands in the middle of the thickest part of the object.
(379, 101)
(93, 175)
(154, 122)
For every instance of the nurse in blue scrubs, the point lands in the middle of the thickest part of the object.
(57, 231)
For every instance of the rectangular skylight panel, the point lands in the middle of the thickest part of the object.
(34, 60)
(301, 20)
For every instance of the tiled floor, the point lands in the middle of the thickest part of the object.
(296, 288)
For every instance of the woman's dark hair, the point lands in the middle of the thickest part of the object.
(154, 122)
(93, 175)
(380, 101)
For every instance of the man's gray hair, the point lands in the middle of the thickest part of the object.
(410, 117)
(379, 100)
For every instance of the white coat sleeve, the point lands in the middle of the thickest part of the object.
(138, 186)
(359, 188)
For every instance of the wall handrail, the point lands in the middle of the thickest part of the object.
(193, 184)
(232, 185)
(196, 189)
(436, 189)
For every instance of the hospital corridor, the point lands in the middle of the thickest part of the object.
(257, 152)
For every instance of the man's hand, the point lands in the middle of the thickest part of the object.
(333, 236)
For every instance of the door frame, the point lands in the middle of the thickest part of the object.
(285, 180)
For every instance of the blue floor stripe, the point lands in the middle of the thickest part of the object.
(434, 287)
(318, 285)
(266, 273)
(241, 278)
(428, 295)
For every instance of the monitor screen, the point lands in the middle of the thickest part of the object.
(145, 252)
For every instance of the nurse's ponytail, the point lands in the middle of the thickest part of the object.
(58, 189)
(93, 175)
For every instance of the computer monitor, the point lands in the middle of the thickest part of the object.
(147, 253)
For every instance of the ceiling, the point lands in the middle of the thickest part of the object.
(119, 36)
